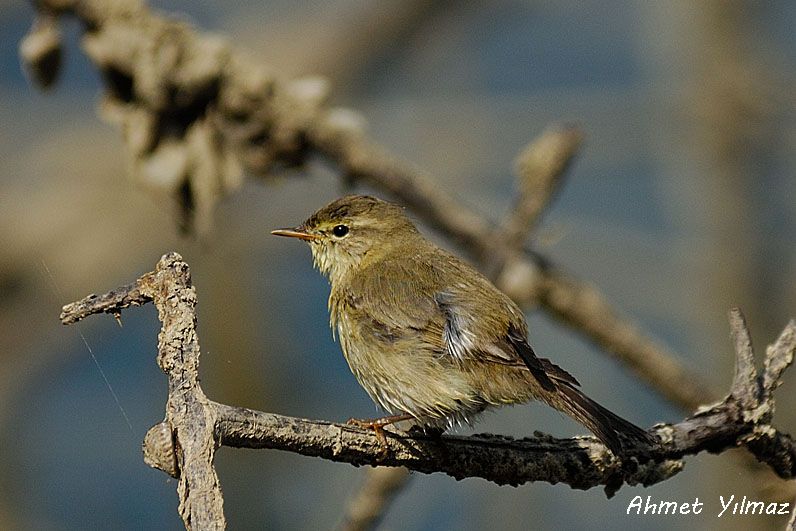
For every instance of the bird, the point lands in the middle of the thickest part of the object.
(429, 337)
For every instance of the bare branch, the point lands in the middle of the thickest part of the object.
(540, 169)
(582, 463)
(779, 357)
(112, 302)
(188, 411)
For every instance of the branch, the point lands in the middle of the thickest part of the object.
(581, 463)
(540, 168)
(184, 444)
(194, 114)
(190, 417)
(367, 507)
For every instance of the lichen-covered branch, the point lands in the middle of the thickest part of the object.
(184, 443)
(195, 113)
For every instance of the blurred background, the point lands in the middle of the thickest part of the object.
(681, 204)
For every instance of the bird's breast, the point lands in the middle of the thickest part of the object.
(400, 369)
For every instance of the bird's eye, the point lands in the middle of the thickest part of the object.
(340, 230)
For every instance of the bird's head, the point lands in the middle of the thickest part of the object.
(346, 231)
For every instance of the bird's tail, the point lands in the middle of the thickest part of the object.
(560, 390)
(611, 429)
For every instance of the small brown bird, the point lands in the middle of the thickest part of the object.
(428, 336)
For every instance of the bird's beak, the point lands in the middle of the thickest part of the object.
(299, 232)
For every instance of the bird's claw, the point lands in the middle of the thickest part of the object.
(378, 429)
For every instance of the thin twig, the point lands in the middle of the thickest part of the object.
(744, 383)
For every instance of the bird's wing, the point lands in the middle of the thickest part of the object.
(482, 323)
(453, 308)
(395, 299)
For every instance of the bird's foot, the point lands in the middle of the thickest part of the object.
(377, 425)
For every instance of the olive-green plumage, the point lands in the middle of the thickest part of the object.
(425, 333)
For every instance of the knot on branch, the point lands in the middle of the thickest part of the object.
(159, 451)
